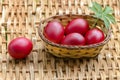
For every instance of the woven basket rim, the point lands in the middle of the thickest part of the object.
(108, 35)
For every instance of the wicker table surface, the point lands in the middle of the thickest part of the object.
(22, 17)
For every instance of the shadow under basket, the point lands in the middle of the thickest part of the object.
(69, 50)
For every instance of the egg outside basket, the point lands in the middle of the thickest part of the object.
(73, 51)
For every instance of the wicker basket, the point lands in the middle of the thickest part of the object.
(73, 51)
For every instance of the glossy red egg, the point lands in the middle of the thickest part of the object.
(94, 36)
(78, 25)
(54, 31)
(73, 39)
(20, 47)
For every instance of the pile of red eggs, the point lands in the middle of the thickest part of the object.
(77, 32)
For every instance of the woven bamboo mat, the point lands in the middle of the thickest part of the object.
(22, 17)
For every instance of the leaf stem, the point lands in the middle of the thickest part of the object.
(94, 25)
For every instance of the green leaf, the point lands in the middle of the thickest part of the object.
(108, 10)
(111, 18)
(103, 13)
(106, 21)
(96, 7)
(93, 9)
(98, 15)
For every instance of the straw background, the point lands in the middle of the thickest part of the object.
(22, 17)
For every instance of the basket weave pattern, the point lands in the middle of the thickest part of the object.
(22, 18)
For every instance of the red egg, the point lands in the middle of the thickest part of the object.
(78, 25)
(20, 47)
(73, 39)
(54, 31)
(94, 35)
